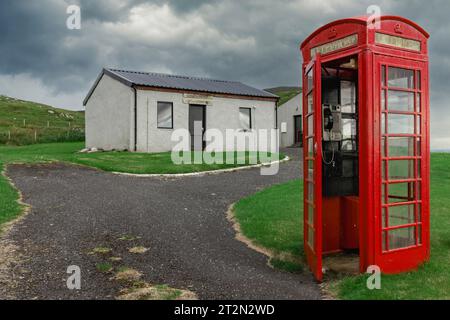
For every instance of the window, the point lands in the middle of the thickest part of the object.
(165, 115)
(310, 77)
(245, 116)
(400, 78)
(310, 103)
(348, 96)
(401, 101)
(401, 157)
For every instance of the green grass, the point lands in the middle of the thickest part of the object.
(19, 120)
(285, 96)
(285, 265)
(104, 267)
(139, 163)
(157, 163)
(285, 93)
(167, 293)
(9, 207)
(273, 219)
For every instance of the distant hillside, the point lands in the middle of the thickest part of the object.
(25, 122)
(285, 93)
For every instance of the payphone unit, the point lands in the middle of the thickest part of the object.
(339, 136)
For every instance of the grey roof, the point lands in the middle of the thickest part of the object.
(166, 81)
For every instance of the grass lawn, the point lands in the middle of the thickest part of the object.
(139, 163)
(9, 207)
(273, 219)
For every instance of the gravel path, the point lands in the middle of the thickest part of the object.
(181, 221)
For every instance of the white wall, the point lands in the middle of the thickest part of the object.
(222, 114)
(109, 114)
(286, 113)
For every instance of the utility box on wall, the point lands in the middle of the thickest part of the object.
(366, 138)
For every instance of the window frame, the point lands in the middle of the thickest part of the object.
(250, 118)
(414, 200)
(157, 115)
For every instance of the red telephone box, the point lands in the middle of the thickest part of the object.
(366, 143)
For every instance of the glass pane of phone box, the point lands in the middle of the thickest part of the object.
(348, 96)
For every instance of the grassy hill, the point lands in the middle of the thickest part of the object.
(285, 93)
(25, 122)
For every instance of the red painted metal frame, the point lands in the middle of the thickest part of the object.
(313, 255)
(370, 57)
(407, 258)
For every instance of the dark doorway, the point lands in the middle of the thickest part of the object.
(197, 113)
(298, 132)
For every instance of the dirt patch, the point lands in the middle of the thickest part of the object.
(128, 275)
(115, 259)
(345, 264)
(101, 250)
(328, 290)
(128, 238)
(158, 292)
(9, 264)
(141, 290)
(138, 250)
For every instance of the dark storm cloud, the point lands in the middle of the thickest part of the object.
(33, 41)
(107, 10)
(255, 41)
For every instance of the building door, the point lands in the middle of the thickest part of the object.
(402, 228)
(197, 126)
(298, 134)
(312, 156)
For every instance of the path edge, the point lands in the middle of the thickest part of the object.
(199, 174)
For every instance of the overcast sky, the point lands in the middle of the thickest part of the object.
(253, 41)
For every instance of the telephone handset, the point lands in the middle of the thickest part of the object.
(332, 129)
(327, 119)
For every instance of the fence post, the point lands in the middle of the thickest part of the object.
(9, 134)
(48, 124)
(35, 136)
(24, 122)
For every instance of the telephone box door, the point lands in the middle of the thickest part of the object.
(312, 115)
(402, 235)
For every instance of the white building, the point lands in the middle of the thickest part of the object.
(290, 122)
(139, 111)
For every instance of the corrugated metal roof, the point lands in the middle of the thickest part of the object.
(159, 80)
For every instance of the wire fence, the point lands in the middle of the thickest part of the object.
(32, 134)
(62, 123)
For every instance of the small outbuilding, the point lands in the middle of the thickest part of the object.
(139, 111)
(290, 122)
